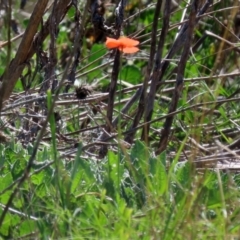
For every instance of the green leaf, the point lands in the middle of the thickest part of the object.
(183, 173)
(18, 168)
(116, 169)
(26, 227)
(37, 178)
(71, 12)
(18, 86)
(41, 190)
(97, 51)
(131, 74)
(6, 180)
(85, 169)
(139, 151)
(76, 176)
(10, 221)
(159, 178)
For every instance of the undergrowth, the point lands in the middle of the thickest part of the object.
(100, 144)
(131, 194)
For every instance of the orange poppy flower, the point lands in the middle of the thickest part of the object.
(124, 44)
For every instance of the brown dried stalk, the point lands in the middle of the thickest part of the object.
(180, 78)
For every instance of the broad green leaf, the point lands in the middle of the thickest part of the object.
(38, 178)
(27, 227)
(131, 74)
(97, 51)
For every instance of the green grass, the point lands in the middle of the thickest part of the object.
(129, 195)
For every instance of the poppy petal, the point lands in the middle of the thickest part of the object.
(129, 49)
(128, 42)
(112, 43)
